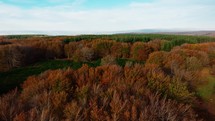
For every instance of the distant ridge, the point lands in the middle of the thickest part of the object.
(195, 33)
(177, 32)
(142, 31)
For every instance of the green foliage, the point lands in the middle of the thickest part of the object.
(178, 90)
(23, 36)
(84, 37)
(206, 91)
(177, 39)
(168, 45)
(131, 38)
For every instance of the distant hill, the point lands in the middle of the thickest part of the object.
(195, 33)
(142, 31)
(176, 32)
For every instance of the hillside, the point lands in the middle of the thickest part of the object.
(175, 32)
(195, 33)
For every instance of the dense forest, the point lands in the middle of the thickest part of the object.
(123, 77)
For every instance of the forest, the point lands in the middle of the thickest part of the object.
(119, 77)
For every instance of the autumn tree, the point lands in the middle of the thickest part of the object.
(157, 57)
(70, 49)
(102, 47)
(10, 57)
(84, 54)
(108, 60)
(140, 51)
(120, 50)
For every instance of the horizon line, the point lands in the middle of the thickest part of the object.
(70, 32)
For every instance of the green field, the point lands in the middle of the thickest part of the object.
(207, 91)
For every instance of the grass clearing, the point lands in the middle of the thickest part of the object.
(207, 91)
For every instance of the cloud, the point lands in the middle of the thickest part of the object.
(160, 14)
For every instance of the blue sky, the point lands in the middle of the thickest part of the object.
(88, 16)
(87, 4)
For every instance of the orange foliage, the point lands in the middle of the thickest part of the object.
(157, 90)
(120, 50)
(102, 47)
(9, 106)
(111, 73)
(49, 81)
(155, 44)
(206, 47)
(174, 60)
(157, 57)
(140, 51)
(84, 54)
(51, 49)
(102, 93)
(71, 48)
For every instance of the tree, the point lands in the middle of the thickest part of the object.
(108, 60)
(84, 54)
(102, 47)
(10, 57)
(140, 51)
(157, 57)
(120, 50)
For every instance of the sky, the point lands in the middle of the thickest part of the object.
(90, 16)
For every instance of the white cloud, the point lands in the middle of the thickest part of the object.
(163, 14)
